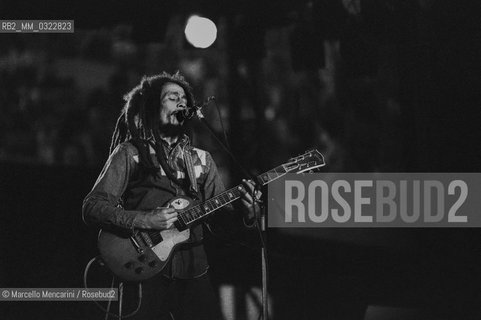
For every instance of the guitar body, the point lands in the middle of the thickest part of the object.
(145, 253)
(132, 258)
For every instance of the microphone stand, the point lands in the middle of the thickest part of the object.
(265, 301)
(260, 216)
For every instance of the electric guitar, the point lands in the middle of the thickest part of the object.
(142, 254)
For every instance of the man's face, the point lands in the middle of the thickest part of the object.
(172, 100)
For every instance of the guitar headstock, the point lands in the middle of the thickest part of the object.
(311, 160)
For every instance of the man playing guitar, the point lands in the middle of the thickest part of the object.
(151, 173)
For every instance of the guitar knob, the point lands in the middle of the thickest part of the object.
(139, 270)
(142, 258)
(153, 264)
(128, 265)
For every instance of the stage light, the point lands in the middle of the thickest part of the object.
(200, 32)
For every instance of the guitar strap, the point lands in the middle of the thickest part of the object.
(189, 165)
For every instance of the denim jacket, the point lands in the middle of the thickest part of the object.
(124, 193)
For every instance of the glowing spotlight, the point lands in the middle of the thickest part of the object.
(200, 32)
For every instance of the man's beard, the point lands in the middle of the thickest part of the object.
(170, 130)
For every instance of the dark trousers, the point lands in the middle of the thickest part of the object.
(182, 299)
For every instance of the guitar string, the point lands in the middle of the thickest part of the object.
(195, 213)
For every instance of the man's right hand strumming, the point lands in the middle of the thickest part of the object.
(159, 219)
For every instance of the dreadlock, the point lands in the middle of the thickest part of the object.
(139, 120)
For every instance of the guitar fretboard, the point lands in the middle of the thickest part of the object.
(202, 210)
(308, 161)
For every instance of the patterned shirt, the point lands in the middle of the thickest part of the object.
(122, 181)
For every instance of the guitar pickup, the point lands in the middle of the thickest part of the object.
(146, 239)
(180, 225)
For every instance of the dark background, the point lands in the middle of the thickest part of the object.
(377, 86)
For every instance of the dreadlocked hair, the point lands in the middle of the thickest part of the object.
(139, 119)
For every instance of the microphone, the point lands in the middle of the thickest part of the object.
(185, 114)
(188, 113)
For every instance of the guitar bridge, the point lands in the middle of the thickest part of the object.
(136, 244)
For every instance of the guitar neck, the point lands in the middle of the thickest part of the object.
(202, 210)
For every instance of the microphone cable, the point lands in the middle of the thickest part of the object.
(219, 115)
(107, 310)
